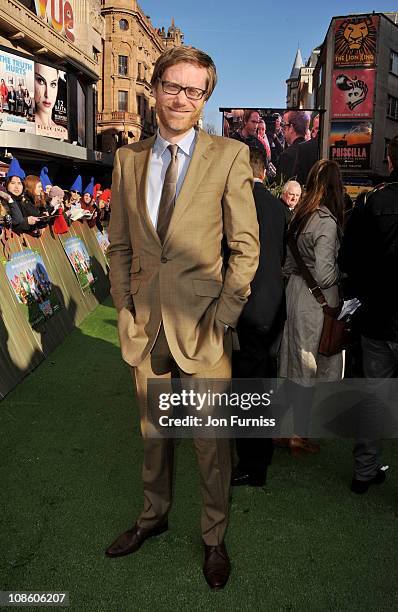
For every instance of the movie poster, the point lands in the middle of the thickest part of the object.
(103, 241)
(32, 286)
(350, 143)
(353, 93)
(16, 93)
(79, 258)
(50, 102)
(355, 41)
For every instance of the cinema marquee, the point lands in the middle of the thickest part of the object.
(58, 14)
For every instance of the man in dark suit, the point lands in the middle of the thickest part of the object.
(308, 153)
(261, 323)
(295, 125)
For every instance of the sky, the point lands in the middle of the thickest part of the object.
(253, 45)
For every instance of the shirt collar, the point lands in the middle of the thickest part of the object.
(185, 144)
(257, 180)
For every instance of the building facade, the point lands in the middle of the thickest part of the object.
(356, 83)
(126, 107)
(51, 47)
(300, 90)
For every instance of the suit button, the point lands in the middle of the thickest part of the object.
(164, 259)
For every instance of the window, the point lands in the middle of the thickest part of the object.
(138, 105)
(392, 107)
(139, 72)
(122, 100)
(394, 62)
(124, 24)
(123, 65)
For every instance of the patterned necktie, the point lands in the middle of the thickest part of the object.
(167, 199)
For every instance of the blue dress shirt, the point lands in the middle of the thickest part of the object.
(158, 164)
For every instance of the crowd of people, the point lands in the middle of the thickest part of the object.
(208, 253)
(30, 203)
(279, 138)
(347, 256)
(211, 255)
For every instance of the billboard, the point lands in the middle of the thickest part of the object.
(33, 97)
(355, 41)
(50, 102)
(16, 93)
(353, 93)
(58, 15)
(350, 144)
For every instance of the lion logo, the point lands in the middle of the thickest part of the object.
(357, 35)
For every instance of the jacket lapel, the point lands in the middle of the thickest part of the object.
(201, 159)
(141, 169)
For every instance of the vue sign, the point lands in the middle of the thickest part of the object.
(58, 14)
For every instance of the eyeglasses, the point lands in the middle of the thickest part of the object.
(285, 125)
(192, 93)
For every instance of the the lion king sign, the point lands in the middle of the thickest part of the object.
(355, 41)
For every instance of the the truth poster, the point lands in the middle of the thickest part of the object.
(79, 258)
(16, 93)
(353, 93)
(350, 143)
(32, 286)
(355, 41)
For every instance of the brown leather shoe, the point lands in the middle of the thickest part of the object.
(130, 541)
(217, 567)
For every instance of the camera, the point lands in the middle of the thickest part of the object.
(5, 221)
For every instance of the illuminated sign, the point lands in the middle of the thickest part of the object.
(58, 14)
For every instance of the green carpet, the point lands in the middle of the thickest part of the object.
(70, 461)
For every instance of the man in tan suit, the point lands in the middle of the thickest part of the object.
(174, 197)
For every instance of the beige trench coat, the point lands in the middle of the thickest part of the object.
(299, 358)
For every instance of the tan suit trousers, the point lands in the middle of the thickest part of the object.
(213, 455)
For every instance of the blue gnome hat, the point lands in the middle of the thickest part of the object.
(90, 187)
(77, 185)
(15, 169)
(44, 179)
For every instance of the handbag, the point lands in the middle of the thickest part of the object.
(336, 333)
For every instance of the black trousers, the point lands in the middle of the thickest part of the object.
(257, 359)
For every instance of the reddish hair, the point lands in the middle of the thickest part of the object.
(31, 182)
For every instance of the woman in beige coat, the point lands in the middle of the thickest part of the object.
(316, 227)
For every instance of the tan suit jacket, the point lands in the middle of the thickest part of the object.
(183, 283)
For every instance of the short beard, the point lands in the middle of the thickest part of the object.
(181, 127)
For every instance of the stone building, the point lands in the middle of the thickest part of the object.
(300, 92)
(131, 47)
(64, 39)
